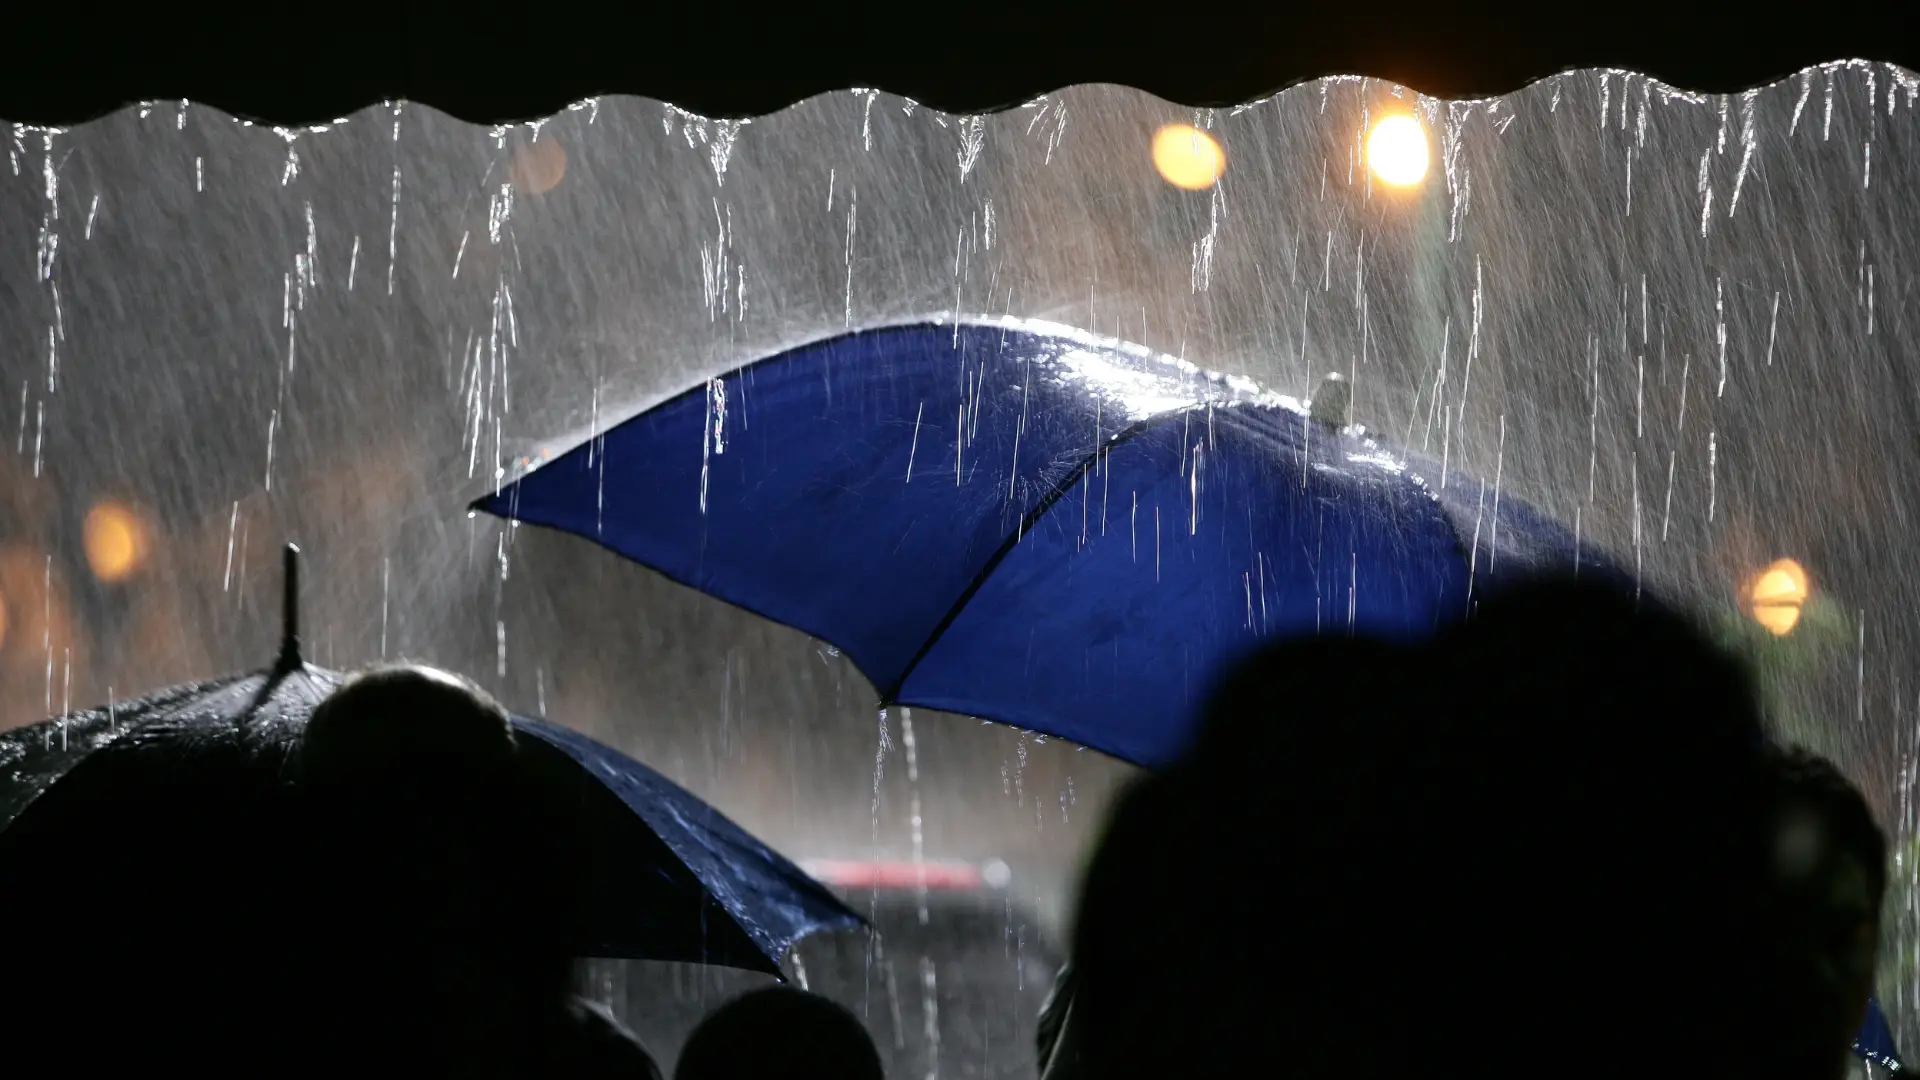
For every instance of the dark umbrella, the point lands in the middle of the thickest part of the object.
(193, 780)
(1024, 523)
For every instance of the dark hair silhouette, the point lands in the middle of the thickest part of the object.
(779, 1033)
(383, 724)
(1614, 842)
(1535, 839)
(439, 868)
(419, 801)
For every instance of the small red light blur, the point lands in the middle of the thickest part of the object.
(845, 874)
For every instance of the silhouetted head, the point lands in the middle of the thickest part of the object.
(595, 1045)
(1640, 669)
(439, 865)
(1607, 827)
(1829, 867)
(405, 723)
(1534, 839)
(413, 770)
(779, 1033)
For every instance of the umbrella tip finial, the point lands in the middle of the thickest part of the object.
(1332, 403)
(290, 611)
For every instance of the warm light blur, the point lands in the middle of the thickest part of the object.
(40, 628)
(116, 541)
(1777, 595)
(1188, 157)
(1779, 619)
(539, 166)
(1397, 150)
(3, 620)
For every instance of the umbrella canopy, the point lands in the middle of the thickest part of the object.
(1025, 523)
(1875, 1041)
(198, 776)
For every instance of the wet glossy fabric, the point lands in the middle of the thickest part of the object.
(1875, 1041)
(671, 877)
(1024, 523)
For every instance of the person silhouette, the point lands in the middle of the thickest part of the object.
(1830, 871)
(1540, 837)
(444, 874)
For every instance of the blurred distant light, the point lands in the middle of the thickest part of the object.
(1777, 595)
(1779, 620)
(1188, 157)
(887, 874)
(1397, 150)
(116, 541)
(539, 166)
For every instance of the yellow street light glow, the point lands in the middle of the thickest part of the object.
(1777, 595)
(1188, 157)
(116, 541)
(1397, 150)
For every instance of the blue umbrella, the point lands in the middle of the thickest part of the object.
(670, 877)
(1875, 1041)
(1025, 523)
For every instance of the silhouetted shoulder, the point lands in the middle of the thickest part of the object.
(597, 1046)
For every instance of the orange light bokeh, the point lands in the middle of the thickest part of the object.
(1397, 150)
(1779, 619)
(116, 541)
(1187, 157)
(41, 629)
(539, 166)
(1777, 594)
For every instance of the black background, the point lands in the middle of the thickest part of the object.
(491, 61)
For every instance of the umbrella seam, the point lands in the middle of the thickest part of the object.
(890, 694)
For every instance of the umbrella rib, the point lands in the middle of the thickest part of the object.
(1027, 520)
(275, 676)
